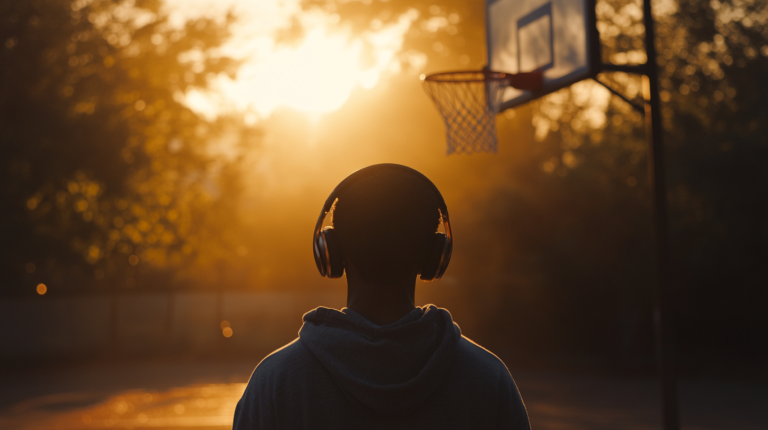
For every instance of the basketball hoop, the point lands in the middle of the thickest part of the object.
(469, 100)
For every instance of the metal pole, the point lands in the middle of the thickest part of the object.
(662, 318)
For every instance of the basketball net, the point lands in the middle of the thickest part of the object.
(469, 101)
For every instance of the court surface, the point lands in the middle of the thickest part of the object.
(177, 394)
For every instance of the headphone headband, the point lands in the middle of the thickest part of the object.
(365, 171)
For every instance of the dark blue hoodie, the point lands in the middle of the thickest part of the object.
(345, 372)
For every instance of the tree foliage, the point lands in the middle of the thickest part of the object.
(714, 61)
(105, 172)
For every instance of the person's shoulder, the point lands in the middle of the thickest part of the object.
(272, 375)
(483, 372)
(480, 360)
(288, 358)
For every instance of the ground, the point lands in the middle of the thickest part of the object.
(175, 394)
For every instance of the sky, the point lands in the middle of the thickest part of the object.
(315, 74)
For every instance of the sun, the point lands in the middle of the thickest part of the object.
(315, 75)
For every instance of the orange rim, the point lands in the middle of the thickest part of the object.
(466, 76)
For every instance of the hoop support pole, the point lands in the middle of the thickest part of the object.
(635, 106)
(639, 69)
(665, 339)
(662, 317)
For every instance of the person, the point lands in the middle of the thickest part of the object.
(382, 362)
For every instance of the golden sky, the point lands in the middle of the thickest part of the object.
(315, 74)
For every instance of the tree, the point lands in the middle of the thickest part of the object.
(715, 59)
(105, 171)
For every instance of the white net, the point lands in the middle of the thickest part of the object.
(468, 103)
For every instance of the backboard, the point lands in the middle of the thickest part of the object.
(558, 37)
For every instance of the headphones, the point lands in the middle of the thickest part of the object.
(327, 250)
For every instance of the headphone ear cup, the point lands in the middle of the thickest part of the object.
(335, 262)
(320, 253)
(432, 268)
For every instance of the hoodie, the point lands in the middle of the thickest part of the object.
(344, 372)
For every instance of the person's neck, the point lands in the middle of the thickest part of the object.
(380, 304)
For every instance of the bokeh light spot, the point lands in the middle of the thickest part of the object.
(41, 289)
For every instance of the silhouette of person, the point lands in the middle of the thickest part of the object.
(382, 362)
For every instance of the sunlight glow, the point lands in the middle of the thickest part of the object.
(315, 74)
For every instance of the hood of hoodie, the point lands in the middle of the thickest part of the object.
(387, 368)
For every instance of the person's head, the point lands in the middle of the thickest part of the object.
(385, 223)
